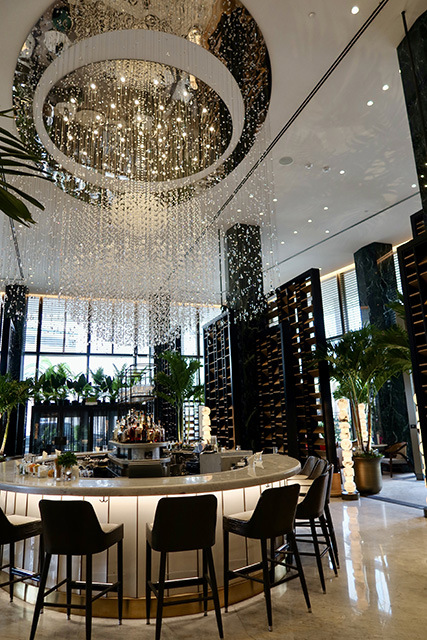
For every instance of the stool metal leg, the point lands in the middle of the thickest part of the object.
(148, 555)
(295, 553)
(88, 597)
(214, 591)
(266, 580)
(226, 569)
(40, 596)
(205, 583)
(120, 580)
(11, 567)
(328, 543)
(161, 592)
(317, 553)
(331, 530)
(69, 560)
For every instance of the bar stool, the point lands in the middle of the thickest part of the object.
(71, 528)
(273, 516)
(310, 513)
(182, 524)
(15, 528)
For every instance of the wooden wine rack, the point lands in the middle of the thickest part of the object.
(272, 407)
(220, 387)
(413, 272)
(309, 420)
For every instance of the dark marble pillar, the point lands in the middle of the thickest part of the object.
(376, 283)
(15, 303)
(412, 53)
(245, 297)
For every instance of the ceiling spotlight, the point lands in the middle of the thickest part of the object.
(311, 14)
(309, 165)
(370, 103)
(325, 208)
(295, 231)
(414, 186)
(309, 220)
(92, 85)
(274, 199)
(251, 195)
(342, 172)
(326, 168)
(327, 231)
(386, 87)
(283, 242)
(355, 10)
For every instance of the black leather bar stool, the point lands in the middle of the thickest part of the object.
(183, 524)
(310, 513)
(15, 528)
(273, 516)
(71, 528)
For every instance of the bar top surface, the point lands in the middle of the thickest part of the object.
(274, 467)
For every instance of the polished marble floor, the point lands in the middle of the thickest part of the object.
(380, 592)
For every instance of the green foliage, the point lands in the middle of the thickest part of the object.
(81, 387)
(67, 459)
(12, 393)
(53, 383)
(14, 159)
(361, 362)
(177, 386)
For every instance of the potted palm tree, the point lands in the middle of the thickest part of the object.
(361, 363)
(12, 393)
(178, 385)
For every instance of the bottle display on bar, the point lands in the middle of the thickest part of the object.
(138, 427)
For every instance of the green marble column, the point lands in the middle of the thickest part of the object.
(412, 53)
(376, 283)
(245, 297)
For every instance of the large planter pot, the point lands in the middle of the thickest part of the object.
(367, 472)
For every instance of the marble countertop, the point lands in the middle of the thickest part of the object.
(274, 467)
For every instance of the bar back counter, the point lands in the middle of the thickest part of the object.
(133, 501)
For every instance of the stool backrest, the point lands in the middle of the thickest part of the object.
(6, 529)
(308, 466)
(313, 504)
(274, 514)
(184, 523)
(70, 527)
(318, 469)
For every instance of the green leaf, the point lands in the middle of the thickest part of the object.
(14, 208)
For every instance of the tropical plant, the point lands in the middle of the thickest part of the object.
(177, 386)
(14, 161)
(361, 363)
(12, 393)
(81, 387)
(52, 383)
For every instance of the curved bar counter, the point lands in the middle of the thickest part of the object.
(133, 501)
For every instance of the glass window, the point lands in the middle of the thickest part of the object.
(29, 367)
(109, 362)
(76, 332)
(331, 307)
(32, 322)
(53, 325)
(352, 315)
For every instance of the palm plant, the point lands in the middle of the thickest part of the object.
(177, 386)
(361, 363)
(12, 393)
(14, 161)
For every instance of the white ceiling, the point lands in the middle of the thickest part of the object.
(373, 200)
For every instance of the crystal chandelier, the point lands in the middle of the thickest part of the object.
(142, 111)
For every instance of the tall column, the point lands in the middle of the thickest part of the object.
(245, 297)
(412, 59)
(376, 283)
(11, 357)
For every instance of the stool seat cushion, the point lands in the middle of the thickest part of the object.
(14, 528)
(113, 533)
(237, 522)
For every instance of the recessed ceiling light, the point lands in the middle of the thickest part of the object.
(286, 160)
(327, 231)
(251, 195)
(342, 172)
(386, 87)
(355, 10)
(414, 186)
(283, 242)
(239, 210)
(308, 165)
(325, 208)
(274, 199)
(326, 168)
(309, 220)
(311, 14)
(295, 231)
(370, 103)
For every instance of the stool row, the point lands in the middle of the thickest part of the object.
(181, 524)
